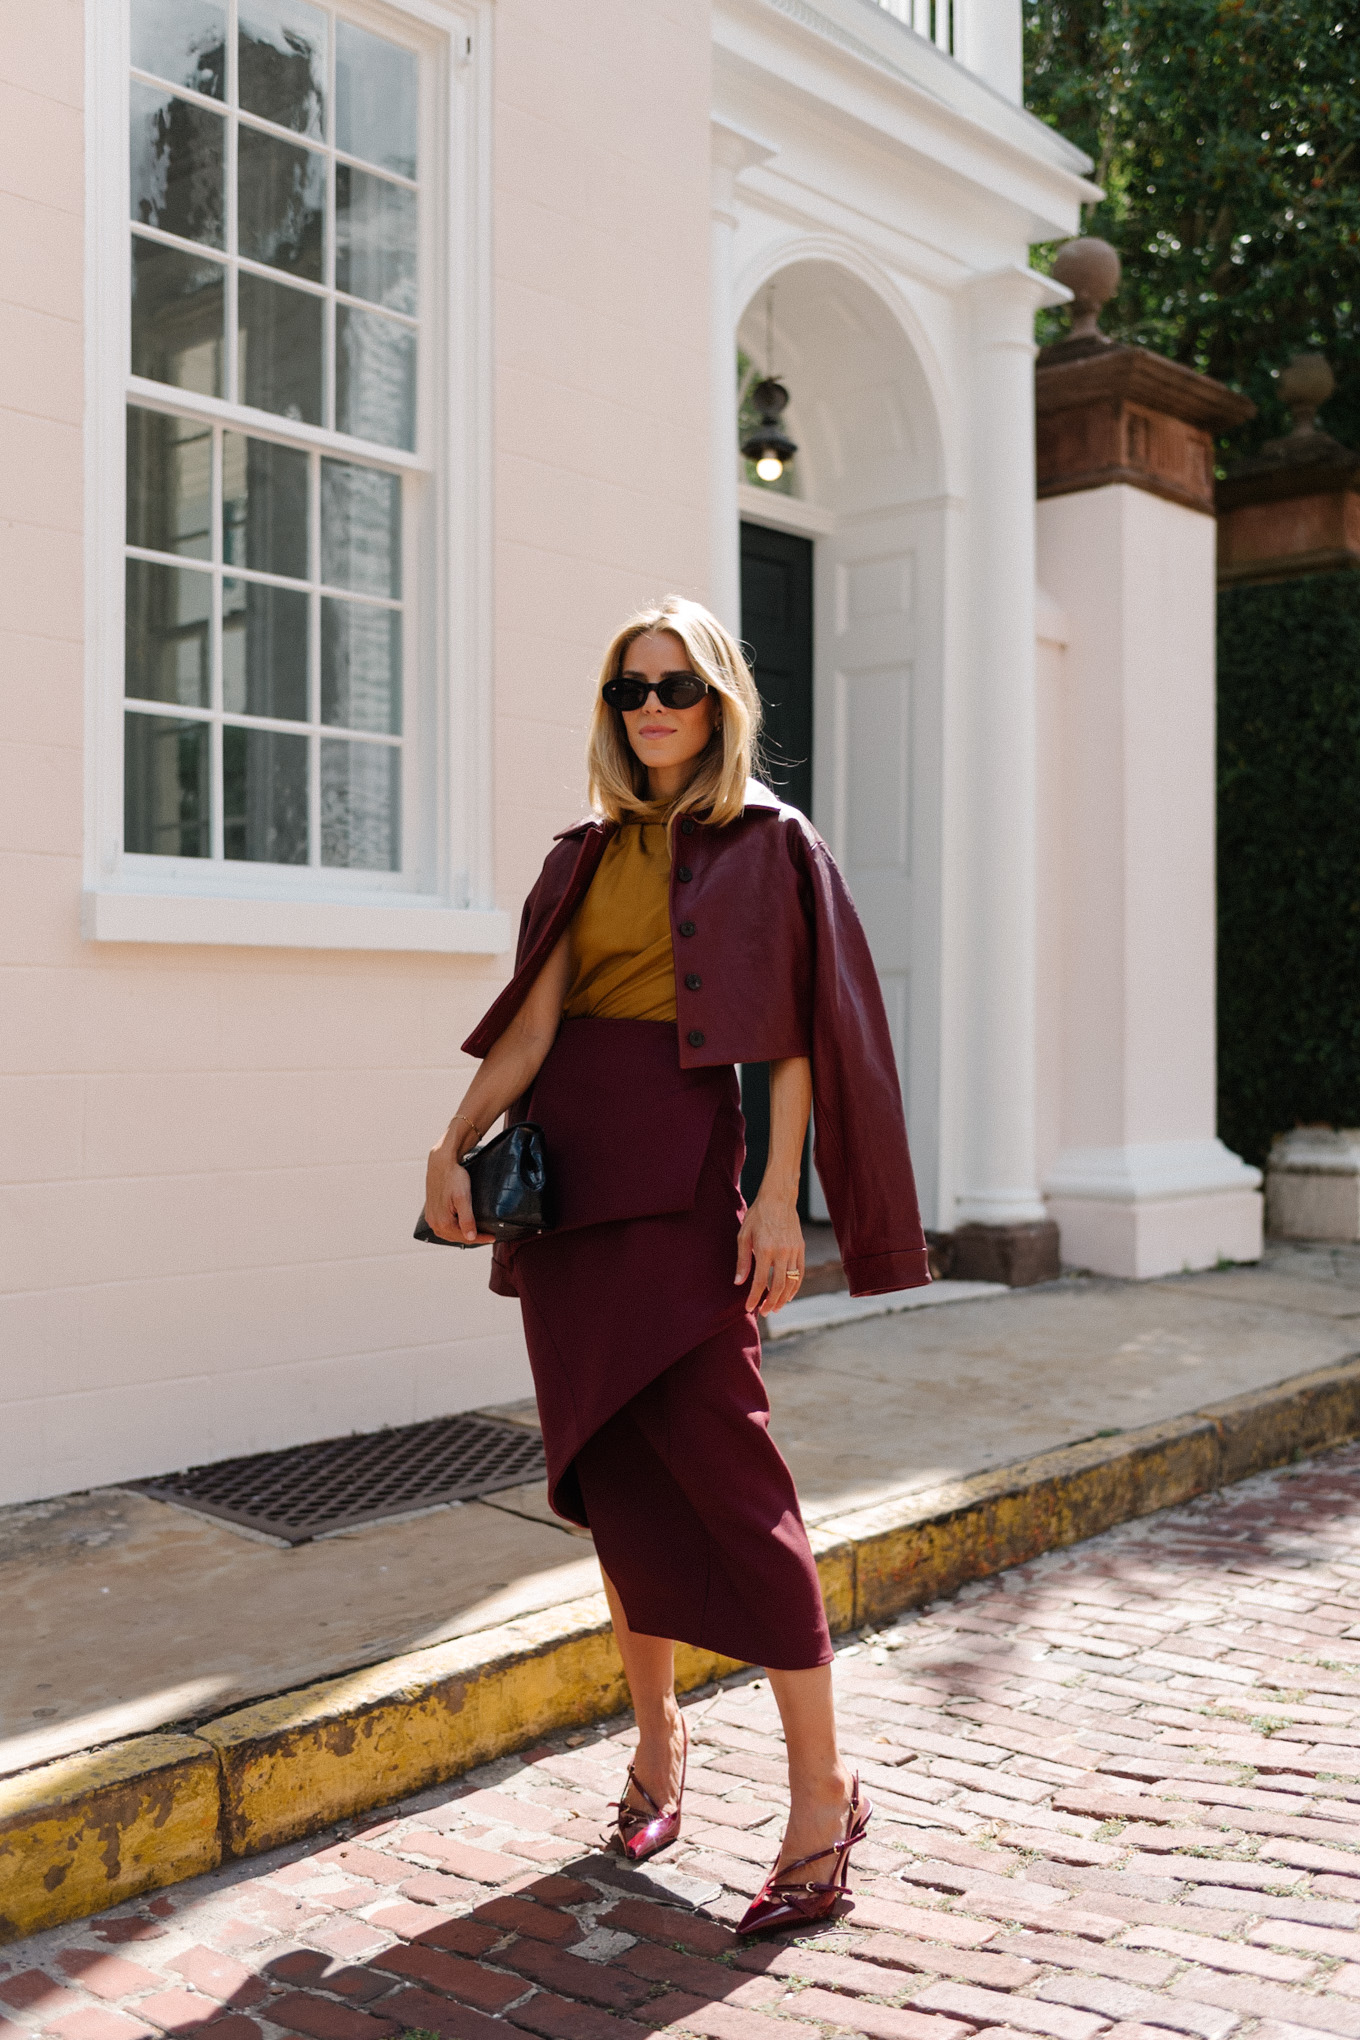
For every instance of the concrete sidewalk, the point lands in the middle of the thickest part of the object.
(136, 1615)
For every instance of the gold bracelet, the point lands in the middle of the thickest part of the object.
(476, 1130)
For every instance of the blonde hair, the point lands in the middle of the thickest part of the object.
(717, 790)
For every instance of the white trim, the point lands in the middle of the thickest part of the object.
(154, 396)
(447, 796)
(822, 1313)
(783, 513)
(404, 922)
(1146, 1171)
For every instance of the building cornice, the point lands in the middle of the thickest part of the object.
(870, 68)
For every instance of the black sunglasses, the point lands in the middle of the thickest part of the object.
(673, 690)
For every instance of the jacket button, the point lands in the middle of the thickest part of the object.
(687, 927)
(687, 825)
(684, 874)
(693, 981)
(695, 1037)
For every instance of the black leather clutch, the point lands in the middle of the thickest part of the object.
(509, 1178)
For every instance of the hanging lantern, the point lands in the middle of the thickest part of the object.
(769, 446)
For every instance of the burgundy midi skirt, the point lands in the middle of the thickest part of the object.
(645, 1359)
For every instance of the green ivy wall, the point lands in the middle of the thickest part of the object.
(1288, 858)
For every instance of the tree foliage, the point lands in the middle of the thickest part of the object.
(1226, 136)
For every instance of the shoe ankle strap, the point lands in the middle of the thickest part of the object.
(638, 1786)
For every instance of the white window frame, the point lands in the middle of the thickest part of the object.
(445, 900)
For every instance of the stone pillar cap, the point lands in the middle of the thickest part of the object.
(1320, 1150)
(1115, 370)
(1302, 462)
(1107, 413)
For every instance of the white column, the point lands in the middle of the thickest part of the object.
(734, 150)
(990, 776)
(989, 41)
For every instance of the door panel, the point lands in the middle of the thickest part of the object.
(869, 667)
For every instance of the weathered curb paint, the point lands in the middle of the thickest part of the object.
(295, 1764)
(91, 1830)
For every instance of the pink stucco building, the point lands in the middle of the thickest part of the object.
(365, 361)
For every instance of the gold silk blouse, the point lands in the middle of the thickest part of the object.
(622, 966)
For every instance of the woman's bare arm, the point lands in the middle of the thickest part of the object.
(504, 1075)
(770, 1244)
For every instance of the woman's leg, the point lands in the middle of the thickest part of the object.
(649, 1667)
(819, 1783)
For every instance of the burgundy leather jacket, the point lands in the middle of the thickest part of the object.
(770, 961)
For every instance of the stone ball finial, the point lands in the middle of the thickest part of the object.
(1305, 384)
(1091, 270)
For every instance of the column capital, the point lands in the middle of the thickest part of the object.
(1003, 303)
(734, 149)
(1109, 413)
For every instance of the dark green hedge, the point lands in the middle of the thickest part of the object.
(1288, 858)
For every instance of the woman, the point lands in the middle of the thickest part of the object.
(692, 923)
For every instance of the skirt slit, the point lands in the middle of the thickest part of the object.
(695, 1515)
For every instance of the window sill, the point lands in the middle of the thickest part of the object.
(125, 916)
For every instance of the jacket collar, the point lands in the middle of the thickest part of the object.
(759, 800)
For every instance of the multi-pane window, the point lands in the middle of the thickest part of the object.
(274, 206)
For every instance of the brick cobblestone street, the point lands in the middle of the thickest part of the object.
(1117, 1791)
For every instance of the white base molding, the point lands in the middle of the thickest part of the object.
(239, 921)
(1155, 1208)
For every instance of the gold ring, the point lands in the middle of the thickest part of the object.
(793, 1274)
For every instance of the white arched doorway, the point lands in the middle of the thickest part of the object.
(869, 495)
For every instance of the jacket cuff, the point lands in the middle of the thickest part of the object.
(502, 1281)
(879, 1274)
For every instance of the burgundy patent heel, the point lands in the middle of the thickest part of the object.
(785, 1903)
(640, 1835)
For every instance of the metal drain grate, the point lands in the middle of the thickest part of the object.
(310, 1489)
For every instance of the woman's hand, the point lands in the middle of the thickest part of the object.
(770, 1244)
(507, 1073)
(448, 1197)
(770, 1250)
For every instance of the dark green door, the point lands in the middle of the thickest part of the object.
(776, 623)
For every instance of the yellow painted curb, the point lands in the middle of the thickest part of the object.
(89, 1830)
(918, 1547)
(84, 1833)
(1268, 1426)
(295, 1764)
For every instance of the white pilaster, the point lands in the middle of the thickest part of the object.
(990, 777)
(734, 150)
